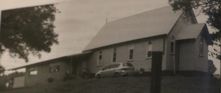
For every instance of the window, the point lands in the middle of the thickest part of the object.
(114, 55)
(57, 68)
(172, 47)
(131, 53)
(114, 66)
(99, 58)
(201, 47)
(54, 68)
(33, 71)
(111, 66)
(149, 50)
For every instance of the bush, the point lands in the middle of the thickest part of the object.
(50, 80)
(211, 67)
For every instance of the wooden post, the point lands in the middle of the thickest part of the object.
(220, 68)
(0, 25)
(156, 72)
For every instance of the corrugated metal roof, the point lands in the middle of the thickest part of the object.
(78, 55)
(147, 24)
(190, 32)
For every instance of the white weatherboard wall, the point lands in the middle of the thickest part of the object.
(187, 55)
(190, 58)
(19, 82)
(139, 59)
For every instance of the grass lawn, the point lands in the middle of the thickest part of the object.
(170, 84)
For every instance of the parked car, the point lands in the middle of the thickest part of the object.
(115, 70)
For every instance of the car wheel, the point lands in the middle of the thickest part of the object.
(98, 76)
(125, 75)
(116, 74)
(141, 71)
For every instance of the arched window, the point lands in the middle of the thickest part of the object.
(149, 49)
(131, 53)
(172, 47)
(172, 44)
(99, 58)
(201, 47)
(114, 55)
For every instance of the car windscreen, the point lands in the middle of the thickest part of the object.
(128, 64)
(111, 66)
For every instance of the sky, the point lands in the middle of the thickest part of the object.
(78, 22)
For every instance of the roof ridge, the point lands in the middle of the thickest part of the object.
(142, 12)
(142, 25)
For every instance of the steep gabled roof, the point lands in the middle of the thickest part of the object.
(193, 31)
(190, 32)
(147, 24)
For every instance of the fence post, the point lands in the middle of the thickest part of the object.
(156, 72)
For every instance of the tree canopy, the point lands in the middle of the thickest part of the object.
(211, 8)
(2, 69)
(28, 31)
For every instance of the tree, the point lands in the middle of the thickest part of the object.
(28, 31)
(211, 8)
(2, 70)
(211, 68)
